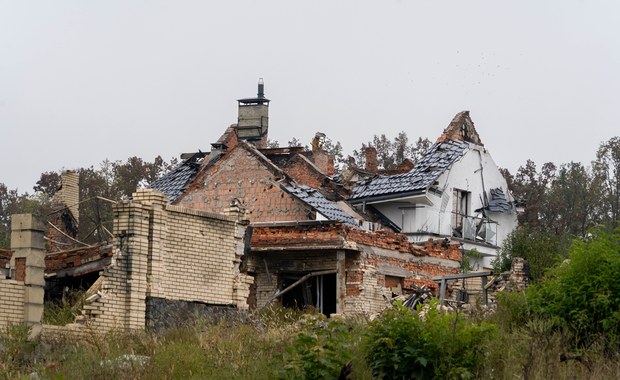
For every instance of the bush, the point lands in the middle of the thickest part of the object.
(583, 293)
(403, 344)
(541, 249)
(320, 350)
(64, 311)
(16, 349)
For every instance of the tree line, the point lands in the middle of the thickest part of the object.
(561, 202)
(112, 180)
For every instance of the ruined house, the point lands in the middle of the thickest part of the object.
(455, 191)
(309, 247)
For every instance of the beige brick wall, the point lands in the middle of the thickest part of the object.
(198, 259)
(22, 301)
(168, 252)
(11, 302)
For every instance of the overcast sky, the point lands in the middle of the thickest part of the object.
(82, 81)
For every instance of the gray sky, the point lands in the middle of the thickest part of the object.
(82, 81)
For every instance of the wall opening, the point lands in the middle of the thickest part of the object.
(318, 292)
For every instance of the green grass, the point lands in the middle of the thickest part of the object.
(267, 344)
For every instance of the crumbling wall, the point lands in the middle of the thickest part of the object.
(166, 257)
(269, 268)
(371, 258)
(367, 289)
(517, 279)
(241, 175)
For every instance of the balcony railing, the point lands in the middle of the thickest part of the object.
(474, 228)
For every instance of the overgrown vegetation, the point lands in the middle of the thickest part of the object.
(582, 294)
(63, 311)
(515, 342)
(403, 345)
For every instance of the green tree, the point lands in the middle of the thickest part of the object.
(606, 169)
(571, 202)
(530, 186)
(130, 175)
(48, 183)
(391, 153)
(583, 293)
(541, 249)
(11, 202)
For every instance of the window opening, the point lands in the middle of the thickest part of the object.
(318, 292)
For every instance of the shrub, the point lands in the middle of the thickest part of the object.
(319, 350)
(403, 344)
(541, 249)
(63, 311)
(583, 293)
(16, 349)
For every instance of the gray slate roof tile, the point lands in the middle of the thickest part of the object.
(434, 163)
(174, 183)
(498, 201)
(316, 200)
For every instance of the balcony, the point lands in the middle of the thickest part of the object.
(474, 228)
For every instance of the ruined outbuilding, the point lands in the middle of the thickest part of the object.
(339, 269)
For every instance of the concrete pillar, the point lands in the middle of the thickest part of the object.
(28, 245)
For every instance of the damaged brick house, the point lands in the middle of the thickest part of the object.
(455, 191)
(308, 246)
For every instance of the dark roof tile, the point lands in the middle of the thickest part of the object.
(174, 183)
(312, 197)
(434, 163)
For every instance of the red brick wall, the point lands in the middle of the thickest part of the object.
(381, 254)
(330, 234)
(5, 257)
(20, 269)
(299, 169)
(242, 176)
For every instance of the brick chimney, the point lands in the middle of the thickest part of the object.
(65, 215)
(253, 121)
(320, 157)
(370, 155)
(69, 193)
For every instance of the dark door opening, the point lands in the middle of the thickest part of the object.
(318, 292)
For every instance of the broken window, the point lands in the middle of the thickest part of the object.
(460, 210)
(318, 292)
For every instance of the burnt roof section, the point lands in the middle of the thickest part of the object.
(461, 128)
(433, 164)
(320, 204)
(174, 183)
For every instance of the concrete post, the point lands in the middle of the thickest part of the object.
(29, 246)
